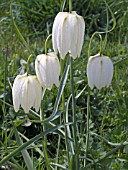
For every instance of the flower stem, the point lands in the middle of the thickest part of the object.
(46, 41)
(4, 107)
(28, 63)
(63, 6)
(101, 44)
(74, 111)
(44, 140)
(73, 101)
(103, 32)
(88, 115)
(64, 110)
(70, 5)
(58, 149)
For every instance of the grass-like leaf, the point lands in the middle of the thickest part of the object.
(25, 154)
(25, 145)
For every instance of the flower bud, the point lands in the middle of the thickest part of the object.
(26, 92)
(47, 70)
(68, 34)
(99, 71)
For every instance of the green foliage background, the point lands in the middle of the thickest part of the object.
(109, 107)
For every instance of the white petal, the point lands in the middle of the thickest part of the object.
(24, 96)
(37, 63)
(40, 67)
(48, 70)
(55, 68)
(15, 94)
(63, 36)
(55, 30)
(90, 73)
(80, 34)
(109, 70)
(31, 91)
(49, 73)
(38, 94)
(16, 91)
(98, 72)
(73, 22)
(105, 73)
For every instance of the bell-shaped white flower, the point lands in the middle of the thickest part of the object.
(68, 34)
(99, 71)
(47, 68)
(27, 92)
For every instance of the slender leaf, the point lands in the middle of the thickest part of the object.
(24, 152)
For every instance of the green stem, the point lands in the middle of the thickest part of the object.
(101, 44)
(64, 110)
(74, 111)
(70, 5)
(46, 41)
(97, 32)
(58, 149)
(63, 5)
(73, 102)
(28, 64)
(107, 26)
(62, 70)
(44, 140)
(88, 115)
(4, 110)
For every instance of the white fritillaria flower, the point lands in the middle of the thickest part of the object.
(99, 71)
(47, 68)
(26, 92)
(68, 34)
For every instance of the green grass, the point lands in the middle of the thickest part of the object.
(109, 106)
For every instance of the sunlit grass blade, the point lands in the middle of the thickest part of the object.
(59, 165)
(79, 94)
(18, 32)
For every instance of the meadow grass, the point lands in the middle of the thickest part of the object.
(49, 139)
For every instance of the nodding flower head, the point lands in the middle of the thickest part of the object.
(26, 92)
(47, 68)
(68, 34)
(99, 71)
